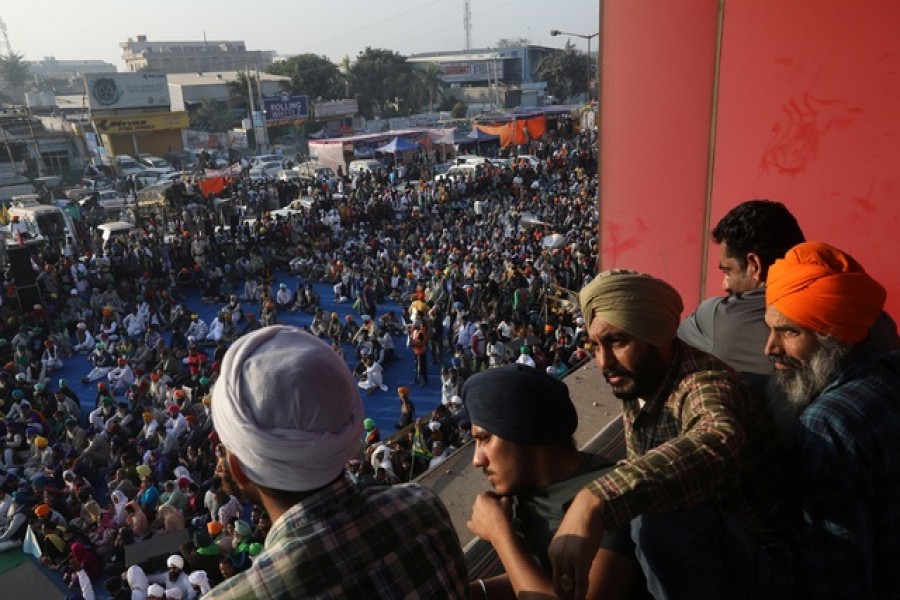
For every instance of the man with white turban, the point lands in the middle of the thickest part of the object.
(701, 489)
(175, 577)
(137, 582)
(200, 582)
(156, 592)
(288, 412)
(843, 379)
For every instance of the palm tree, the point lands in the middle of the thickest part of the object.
(14, 72)
(564, 71)
(429, 84)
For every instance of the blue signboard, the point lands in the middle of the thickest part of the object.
(285, 109)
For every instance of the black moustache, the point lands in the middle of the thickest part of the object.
(607, 373)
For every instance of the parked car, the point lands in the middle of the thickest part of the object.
(457, 172)
(127, 166)
(264, 158)
(106, 199)
(168, 178)
(471, 159)
(441, 168)
(155, 162)
(307, 173)
(266, 170)
(368, 165)
(98, 183)
(88, 186)
(287, 175)
(150, 176)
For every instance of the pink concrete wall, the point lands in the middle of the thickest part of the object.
(808, 112)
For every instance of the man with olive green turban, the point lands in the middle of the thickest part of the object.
(699, 489)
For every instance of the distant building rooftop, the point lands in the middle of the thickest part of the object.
(218, 78)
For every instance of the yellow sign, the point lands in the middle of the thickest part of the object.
(142, 122)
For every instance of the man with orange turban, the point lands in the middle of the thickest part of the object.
(845, 384)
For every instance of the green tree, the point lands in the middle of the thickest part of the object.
(213, 116)
(565, 71)
(459, 110)
(512, 42)
(14, 73)
(429, 85)
(383, 82)
(239, 92)
(313, 75)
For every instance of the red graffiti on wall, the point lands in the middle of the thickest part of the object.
(799, 134)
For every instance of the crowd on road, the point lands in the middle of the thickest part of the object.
(87, 471)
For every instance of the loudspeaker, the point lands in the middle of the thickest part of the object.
(20, 266)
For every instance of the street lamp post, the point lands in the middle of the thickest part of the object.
(556, 32)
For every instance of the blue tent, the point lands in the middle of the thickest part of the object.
(477, 135)
(397, 145)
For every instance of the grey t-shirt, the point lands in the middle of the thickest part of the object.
(537, 515)
(733, 329)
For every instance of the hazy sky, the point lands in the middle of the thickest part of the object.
(336, 28)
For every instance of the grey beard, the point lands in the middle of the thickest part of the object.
(792, 390)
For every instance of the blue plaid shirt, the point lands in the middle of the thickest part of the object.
(395, 542)
(847, 448)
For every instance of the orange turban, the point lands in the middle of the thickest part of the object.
(821, 288)
(214, 527)
(42, 510)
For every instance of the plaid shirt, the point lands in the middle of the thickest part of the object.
(392, 542)
(847, 448)
(701, 438)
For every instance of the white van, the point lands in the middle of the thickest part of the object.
(471, 159)
(457, 172)
(368, 165)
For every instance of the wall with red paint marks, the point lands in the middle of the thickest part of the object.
(808, 113)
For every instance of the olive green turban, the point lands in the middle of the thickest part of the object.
(639, 304)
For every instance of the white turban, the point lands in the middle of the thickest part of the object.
(288, 408)
(137, 579)
(156, 590)
(200, 579)
(175, 561)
